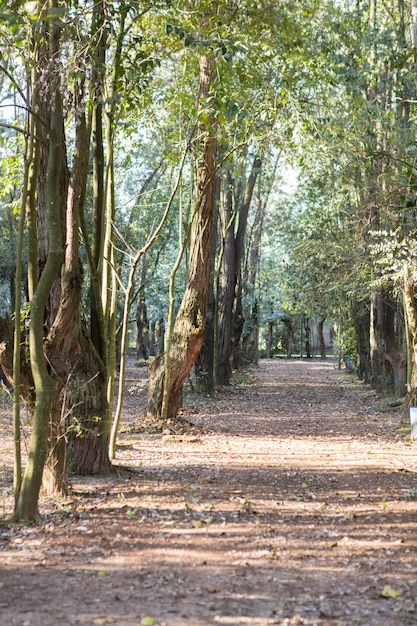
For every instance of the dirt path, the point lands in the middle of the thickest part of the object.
(293, 501)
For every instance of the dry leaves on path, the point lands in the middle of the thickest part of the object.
(291, 499)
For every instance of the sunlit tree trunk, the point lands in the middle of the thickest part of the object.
(189, 327)
(206, 360)
(27, 501)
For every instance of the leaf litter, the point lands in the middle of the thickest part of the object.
(287, 499)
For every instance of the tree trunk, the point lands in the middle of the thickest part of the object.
(322, 343)
(206, 358)
(227, 285)
(361, 319)
(97, 322)
(189, 327)
(160, 336)
(238, 323)
(391, 340)
(152, 338)
(80, 406)
(142, 322)
(250, 339)
(307, 331)
(290, 335)
(238, 316)
(142, 330)
(270, 340)
(27, 501)
(410, 306)
(252, 335)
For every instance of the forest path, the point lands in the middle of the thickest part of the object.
(293, 500)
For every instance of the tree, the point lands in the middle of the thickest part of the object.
(27, 500)
(188, 332)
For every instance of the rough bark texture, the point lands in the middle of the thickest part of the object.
(80, 415)
(205, 364)
(27, 499)
(189, 327)
(27, 392)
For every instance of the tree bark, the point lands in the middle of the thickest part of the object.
(27, 501)
(80, 405)
(206, 360)
(238, 316)
(287, 321)
(270, 340)
(227, 284)
(142, 322)
(189, 327)
(97, 322)
(307, 331)
(410, 306)
(322, 343)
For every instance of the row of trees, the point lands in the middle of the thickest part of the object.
(145, 148)
(352, 248)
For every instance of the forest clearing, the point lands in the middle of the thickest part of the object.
(288, 498)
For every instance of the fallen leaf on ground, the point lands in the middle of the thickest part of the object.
(148, 620)
(390, 592)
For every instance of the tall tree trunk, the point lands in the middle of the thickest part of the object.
(81, 408)
(227, 284)
(396, 345)
(27, 501)
(250, 340)
(206, 360)
(238, 316)
(410, 306)
(97, 322)
(231, 317)
(189, 327)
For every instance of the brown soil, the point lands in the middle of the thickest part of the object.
(289, 499)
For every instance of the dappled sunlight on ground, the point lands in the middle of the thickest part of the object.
(290, 501)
